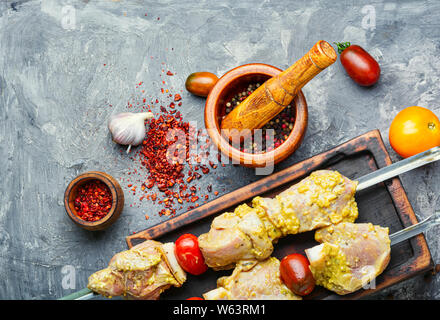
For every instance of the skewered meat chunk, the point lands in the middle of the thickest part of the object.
(322, 199)
(351, 255)
(143, 272)
(259, 281)
(235, 236)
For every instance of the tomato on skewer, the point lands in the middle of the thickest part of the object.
(296, 274)
(188, 254)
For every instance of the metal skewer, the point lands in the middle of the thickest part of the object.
(415, 229)
(364, 182)
(398, 168)
(83, 294)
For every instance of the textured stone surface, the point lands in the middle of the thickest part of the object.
(55, 97)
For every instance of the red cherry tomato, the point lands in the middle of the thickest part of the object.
(188, 254)
(195, 298)
(296, 274)
(359, 64)
(201, 83)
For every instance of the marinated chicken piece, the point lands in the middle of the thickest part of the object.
(252, 281)
(234, 236)
(143, 272)
(351, 255)
(324, 198)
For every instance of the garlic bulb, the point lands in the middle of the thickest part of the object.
(128, 128)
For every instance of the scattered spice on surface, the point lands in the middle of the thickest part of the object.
(172, 158)
(93, 201)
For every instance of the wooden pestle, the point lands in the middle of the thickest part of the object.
(277, 93)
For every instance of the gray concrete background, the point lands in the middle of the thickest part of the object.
(55, 94)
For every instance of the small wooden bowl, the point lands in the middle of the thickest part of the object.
(234, 81)
(117, 196)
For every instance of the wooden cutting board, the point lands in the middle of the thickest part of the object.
(385, 204)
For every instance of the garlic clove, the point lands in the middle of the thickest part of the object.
(128, 128)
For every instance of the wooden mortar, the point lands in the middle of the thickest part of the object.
(276, 93)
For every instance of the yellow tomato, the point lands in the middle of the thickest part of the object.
(414, 130)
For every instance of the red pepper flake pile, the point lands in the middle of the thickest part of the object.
(165, 169)
(93, 201)
(167, 158)
(174, 153)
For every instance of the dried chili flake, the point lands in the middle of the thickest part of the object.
(205, 169)
(93, 201)
(177, 97)
(150, 183)
(197, 175)
(169, 73)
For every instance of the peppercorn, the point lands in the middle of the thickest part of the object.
(282, 124)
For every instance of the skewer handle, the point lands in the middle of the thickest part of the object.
(83, 294)
(415, 229)
(398, 168)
